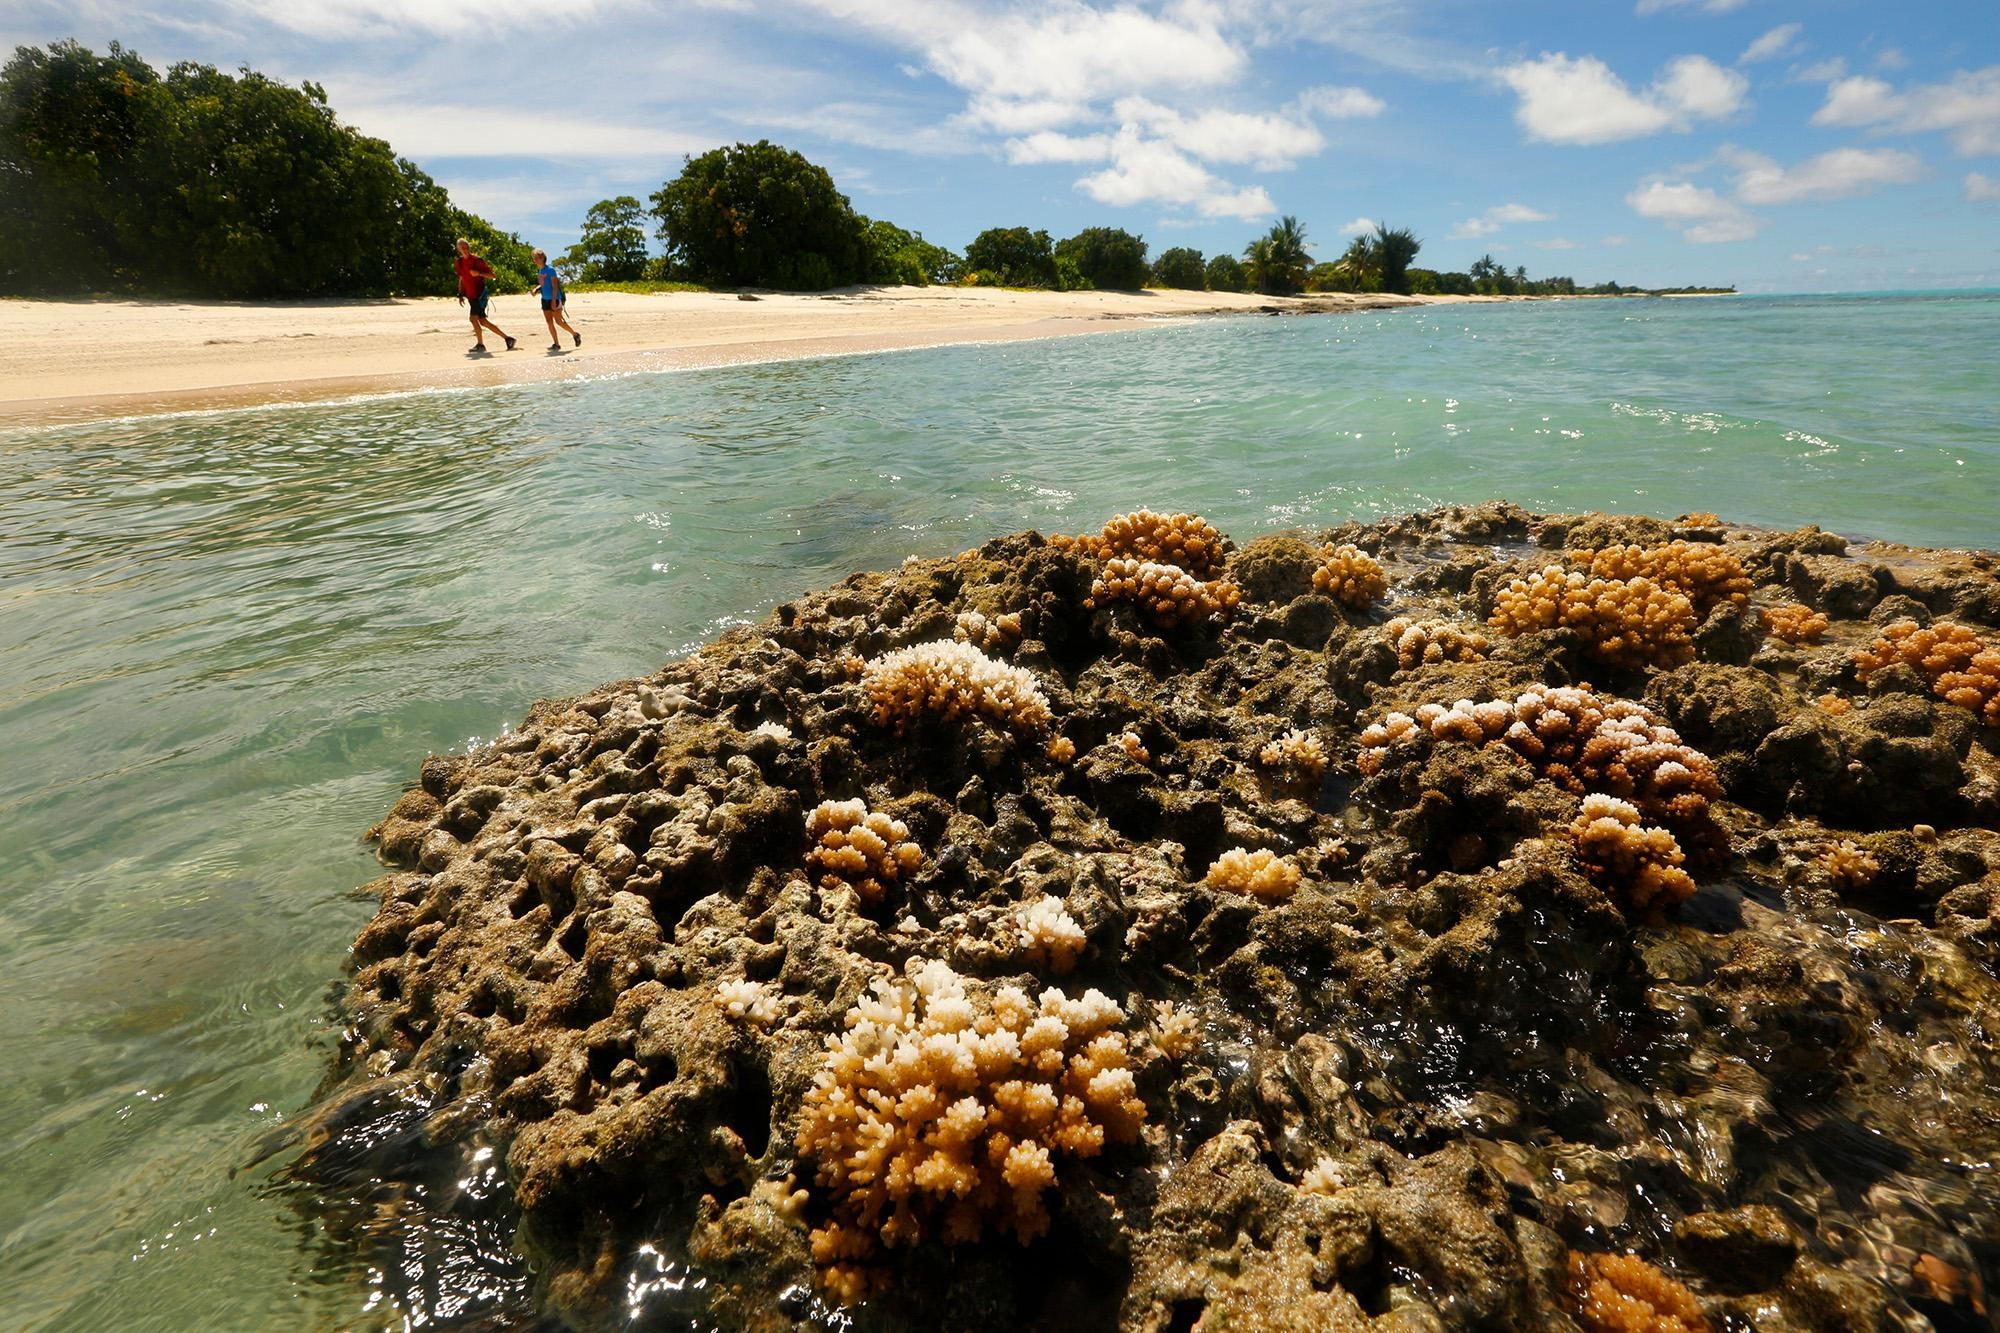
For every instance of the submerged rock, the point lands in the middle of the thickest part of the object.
(1400, 1093)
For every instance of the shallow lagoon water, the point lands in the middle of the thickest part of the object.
(227, 640)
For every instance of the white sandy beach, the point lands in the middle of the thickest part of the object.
(84, 360)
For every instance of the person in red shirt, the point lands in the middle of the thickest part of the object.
(475, 277)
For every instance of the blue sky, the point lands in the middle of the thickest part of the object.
(1781, 145)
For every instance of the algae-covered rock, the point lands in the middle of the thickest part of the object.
(1409, 1059)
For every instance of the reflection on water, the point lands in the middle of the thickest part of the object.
(227, 640)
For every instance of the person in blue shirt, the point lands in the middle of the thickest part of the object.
(552, 302)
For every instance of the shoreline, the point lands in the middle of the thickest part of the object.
(69, 362)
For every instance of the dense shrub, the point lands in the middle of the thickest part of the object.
(1016, 256)
(116, 179)
(613, 245)
(759, 215)
(1225, 274)
(892, 255)
(1108, 258)
(1181, 268)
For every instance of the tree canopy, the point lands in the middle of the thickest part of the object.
(1014, 256)
(757, 215)
(1276, 262)
(200, 183)
(1180, 267)
(1109, 258)
(612, 247)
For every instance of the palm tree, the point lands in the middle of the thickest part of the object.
(1277, 261)
(1357, 265)
(1257, 264)
(1392, 252)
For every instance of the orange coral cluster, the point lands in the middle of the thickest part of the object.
(1704, 572)
(1350, 576)
(1639, 863)
(858, 849)
(1849, 865)
(1622, 622)
(1261, 874)
(1185, 540)
(1427, 642)
(936, 1116)
(1793, 622)
(988, 633)
(947, 681)
(1622, 1293)
(1167, 593)
(1963, 668)
(1297, 754)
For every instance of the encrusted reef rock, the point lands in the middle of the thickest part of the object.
(1473, 920)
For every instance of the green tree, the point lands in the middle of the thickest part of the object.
(1180, 268)
(892, 255)
(1015, 256)
(1225, 274)
(1108, 258)
(1276, 262)
(612, 247)
(202, 183)
(1391, 252)
(759, 215)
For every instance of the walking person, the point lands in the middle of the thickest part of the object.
(552, 302)
(475, 286)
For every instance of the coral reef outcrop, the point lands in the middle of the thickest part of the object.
(1295, 965)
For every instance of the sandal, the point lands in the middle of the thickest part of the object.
(510, 342)
(578, 337)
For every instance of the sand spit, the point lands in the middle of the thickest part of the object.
(1306, 965)
(63, 361)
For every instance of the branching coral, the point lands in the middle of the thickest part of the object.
(1849, 865)
(1325, 1176)
(1261, 874)
(947, 681)
(1050, 936)
(1705, 573)
(1174, 1032)
(988, 633)
(1963, 668)
(1350, 576)
(1622, 622)
(1622, 1293)
(1638, 864)
(1167, 593)
(936, 1116)
(1426, 642)
(1793, 622)
(1576, 739)
(748, 1002)
(1183, 540)
(1060, 748)
(852, 847)
(1298, 755)
(1134, 748)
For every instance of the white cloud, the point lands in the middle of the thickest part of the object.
(1270, 143)
(1614, 241)
(1493, 219)
(1891, 57)
(1981, 188)
(1050, 146)
(1075, 54)
(1842, 173)
(352, 19)
(1697, 212)
(1801, 258)
(1778, 42)
(1581, 101)
(1358, 227)
(1820, 71)
(1149, 171)
(1337, 103)
(1705, 6)
(1965, 107)
(425, 131)
(1556, 243)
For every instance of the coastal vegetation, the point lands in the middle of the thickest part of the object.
(117, 178)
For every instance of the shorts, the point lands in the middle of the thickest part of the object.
(547, 305)
(478, 304)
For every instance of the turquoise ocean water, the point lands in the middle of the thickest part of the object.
(227, 640)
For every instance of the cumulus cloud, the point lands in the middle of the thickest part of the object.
(1780, 41)
(1965, 108)
(1981, 188)
(1698, 213)
(1151, 171)
(1581, 101)
(367, 19)
(1493, 219)
(1338, 103)
(419, 131)
(1556, 243)
(1358, 227)
(1267, 142)
(1842, 173)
